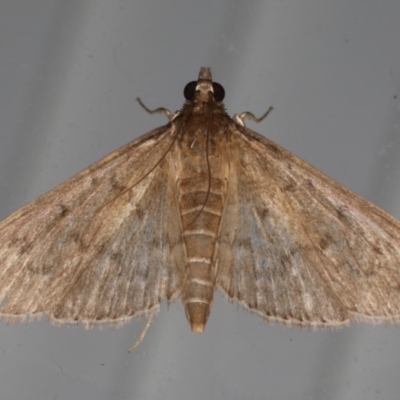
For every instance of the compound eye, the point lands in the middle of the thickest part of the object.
(189, 90)
(219, 92)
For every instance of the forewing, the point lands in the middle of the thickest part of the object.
(101, 247)
(297, 247)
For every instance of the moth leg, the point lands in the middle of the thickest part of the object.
(160, 110)
(239, 118)
(143, 334)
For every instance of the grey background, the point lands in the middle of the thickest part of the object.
(69, 75)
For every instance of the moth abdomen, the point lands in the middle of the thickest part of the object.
(201, 206)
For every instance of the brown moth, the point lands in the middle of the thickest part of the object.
(198, 204)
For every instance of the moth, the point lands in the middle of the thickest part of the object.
(198, 204)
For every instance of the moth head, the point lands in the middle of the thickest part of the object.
(202, 88)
